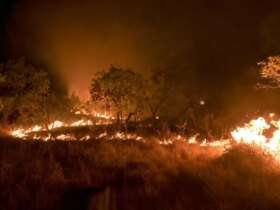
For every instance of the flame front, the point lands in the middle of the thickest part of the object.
(259, 132)
(102, 119)
(253, 134)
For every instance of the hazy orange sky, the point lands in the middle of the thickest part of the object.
(78, 39)
(210, 46)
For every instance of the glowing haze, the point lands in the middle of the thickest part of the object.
(79, 39)
(209, 42)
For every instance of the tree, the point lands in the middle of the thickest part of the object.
(160, 88)
(121, 90)
(24, 91)
(270, 72)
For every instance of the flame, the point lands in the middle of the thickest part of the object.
(253, 134)
(104, 115)
(81, 123)
(66, 137)
(102, 119)
(24, 133)
(56, 124)
(19, 133)
(260, 132)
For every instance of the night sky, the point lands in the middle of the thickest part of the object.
(211, 47)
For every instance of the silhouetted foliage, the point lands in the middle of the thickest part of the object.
(26, 93)
(24, 90)
(120, 90)
(159, 88)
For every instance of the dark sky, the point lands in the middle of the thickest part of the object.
(210, 46)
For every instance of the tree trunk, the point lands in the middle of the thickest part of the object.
(129, 117)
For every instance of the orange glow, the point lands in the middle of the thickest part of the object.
(252, 133)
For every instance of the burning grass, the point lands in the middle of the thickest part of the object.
(60, 175)
(133, 166)
(260, 132)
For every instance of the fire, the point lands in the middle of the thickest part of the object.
(120, 136)
(19, 133)
(101, 119)
(260, 132)
(221, 144)
(56, 124)
(104, 115)
(81, 123)
(253, 134)
(65, 137)
(24, 133)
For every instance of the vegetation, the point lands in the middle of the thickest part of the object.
(121, 90)
(113, 174)
(159, 87)
(23, 91)
(27, 94)
(129, 93)
(71, 175)
(270, 71)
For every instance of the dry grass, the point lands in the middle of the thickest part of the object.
(67, 175)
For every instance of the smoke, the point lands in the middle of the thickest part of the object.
(78, 39)
(210, 47)
(270, 33)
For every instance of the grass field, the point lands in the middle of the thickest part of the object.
(133, 175)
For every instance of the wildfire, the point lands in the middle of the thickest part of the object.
(20, 132)
(221, 144)
(260, 132)
(25, 132)
(253, 133)
(103, 115)
(100, 119)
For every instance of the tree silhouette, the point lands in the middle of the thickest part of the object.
(120, 90)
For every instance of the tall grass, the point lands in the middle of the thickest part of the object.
(70, 175)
